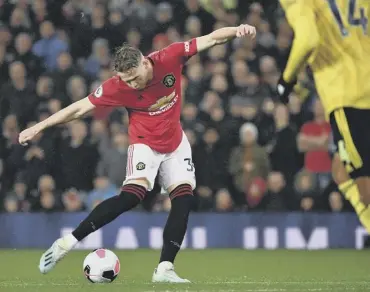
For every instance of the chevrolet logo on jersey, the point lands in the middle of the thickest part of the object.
(162, 102)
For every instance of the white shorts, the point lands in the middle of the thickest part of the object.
(173, 168)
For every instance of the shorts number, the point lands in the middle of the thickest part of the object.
(190, 163)
(352, 20)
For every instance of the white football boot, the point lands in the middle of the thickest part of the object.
(55, 253)
(165, 273)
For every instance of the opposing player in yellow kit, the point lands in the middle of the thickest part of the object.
(333, 38)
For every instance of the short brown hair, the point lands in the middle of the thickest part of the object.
(126, 58)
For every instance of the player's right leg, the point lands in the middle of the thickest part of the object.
(350, 191)
(142, 168)
(351, 136)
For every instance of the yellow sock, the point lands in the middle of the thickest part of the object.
(351, 193)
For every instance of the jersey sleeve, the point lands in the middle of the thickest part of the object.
(301, 17)
(107, 94)
(182, 51)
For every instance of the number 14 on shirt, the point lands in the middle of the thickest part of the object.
(353, 10)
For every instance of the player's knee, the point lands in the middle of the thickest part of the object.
(182, 195)
(338, 171)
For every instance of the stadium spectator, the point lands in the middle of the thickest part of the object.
(313, 140)
(18, 96)
(335, 202)
(73, 201)
(113, 160)
(21, 194)
(46, 197)
(76, 88)
(23, 53)
(103, 189)
(223, 201)
(249, 160)
(306, 189)
(255, 194)
(99, 58)
(50, 46)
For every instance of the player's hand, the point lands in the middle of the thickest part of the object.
(284, 89)
(245, 30)
(28, 134)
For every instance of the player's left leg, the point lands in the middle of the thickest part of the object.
(350, 191)
(177, 176)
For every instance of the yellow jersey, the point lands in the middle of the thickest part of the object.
(333, 38)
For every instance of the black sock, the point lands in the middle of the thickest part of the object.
(110, 209)
(173, 234)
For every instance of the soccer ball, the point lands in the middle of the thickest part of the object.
(101, 266)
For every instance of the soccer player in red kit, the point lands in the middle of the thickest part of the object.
(150, 89)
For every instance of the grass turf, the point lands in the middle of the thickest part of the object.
(210, 270)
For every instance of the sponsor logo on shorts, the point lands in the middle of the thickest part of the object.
(98, 92)
(140, 166)
(169, 80)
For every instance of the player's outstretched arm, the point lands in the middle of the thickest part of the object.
(301, 17)
(70, 113)
(223, 35)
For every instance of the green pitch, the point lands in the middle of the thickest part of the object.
(210, 270)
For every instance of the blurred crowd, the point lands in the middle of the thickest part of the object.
(250, 152)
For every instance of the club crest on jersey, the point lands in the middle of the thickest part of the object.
(169, 80)
(140, 166)
(98, 92)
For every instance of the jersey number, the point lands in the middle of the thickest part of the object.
(352, 20)
(190, 164)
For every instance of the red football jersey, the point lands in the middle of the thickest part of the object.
(154, 112)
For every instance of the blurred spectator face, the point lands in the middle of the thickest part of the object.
(133, 37)
(47, 200)
(192, 5)
(219, 83)
(18, 18)
(5, 36)
(335, 202)
(44, 86)
(248, 134)
(20, 189)
(281, 115)
(17, 71)
(191, 136)
(239, 67)
(164, 12)
(189, 112)
(217, 53)
(276, 181)
(47, 30)
(268, 65)
(217, 114)
(11, 205)
(305, 182)
(23, 43)
(39, 5)
(219, 68)
(294, 104)
(100, 49)
(211, 136)
(98, 12)
(195, 72)
(77, 88)
(268, 106)
(98, 128)
(121, 141)
(115, 17)
(64, 61)
(72, 201)
(211, 100)
(307, 204)
(54, 105)
(318, 110)
(224, 201)
(10, 126)
(193, 26)
(173, 34)
(283, 41)
(46, 183)
(160, 41)
(249, 111)
(101, 183)
(78, 131)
